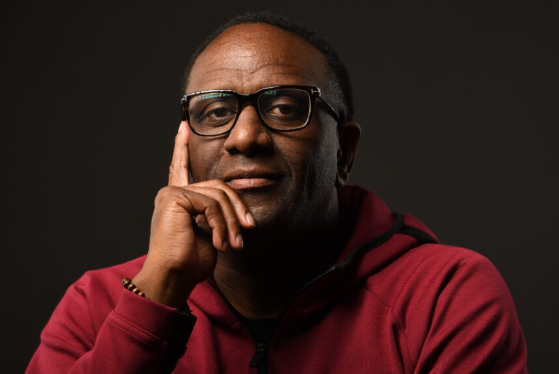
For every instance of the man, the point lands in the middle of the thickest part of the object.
(285, 267)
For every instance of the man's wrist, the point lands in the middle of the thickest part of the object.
(167, 289)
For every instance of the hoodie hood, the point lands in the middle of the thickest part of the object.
(374, 240)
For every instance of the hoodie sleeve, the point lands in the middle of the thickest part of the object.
(136, 336)
(469, 319)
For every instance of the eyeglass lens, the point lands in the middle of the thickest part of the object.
(280, 108)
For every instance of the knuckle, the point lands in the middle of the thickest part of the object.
(221, 184)
(221, 195)
(160, 195)
(164, 194)
(213, 210)
(214, 205)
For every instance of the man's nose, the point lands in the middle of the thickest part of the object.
(249, 135)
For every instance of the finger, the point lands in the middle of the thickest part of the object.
(243, 214)
(202, 223)
(194, 203)
(179, 170)
(229, 214)
(201, 226)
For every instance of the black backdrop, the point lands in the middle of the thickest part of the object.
(458, 105)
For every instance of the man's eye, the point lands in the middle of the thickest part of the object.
(284, 108)
(216, 113)
(219, 112)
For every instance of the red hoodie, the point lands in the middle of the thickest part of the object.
(395, 302)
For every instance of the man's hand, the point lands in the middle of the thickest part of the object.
(190, 223)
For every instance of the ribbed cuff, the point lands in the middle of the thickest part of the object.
(154, 318)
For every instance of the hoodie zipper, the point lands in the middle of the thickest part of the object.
(262, 348)
(261, 352)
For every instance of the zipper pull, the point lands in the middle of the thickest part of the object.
(260, 350)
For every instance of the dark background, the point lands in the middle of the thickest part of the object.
(458, 105)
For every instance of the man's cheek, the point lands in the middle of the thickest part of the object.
(196, 174)
(198, 166)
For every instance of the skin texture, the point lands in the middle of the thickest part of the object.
(304, 161)
(264, 200)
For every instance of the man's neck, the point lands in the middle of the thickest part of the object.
(262, 279)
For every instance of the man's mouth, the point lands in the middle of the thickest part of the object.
(248, 183)
(242, 179)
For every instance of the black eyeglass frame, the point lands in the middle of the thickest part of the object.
(314, 92)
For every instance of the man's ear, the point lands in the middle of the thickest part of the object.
(348, 137)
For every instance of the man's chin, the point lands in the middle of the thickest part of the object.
(272, 210)
(267, 217)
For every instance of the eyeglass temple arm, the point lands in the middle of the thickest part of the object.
(318, 93)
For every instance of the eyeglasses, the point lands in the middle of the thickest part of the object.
(280, 108)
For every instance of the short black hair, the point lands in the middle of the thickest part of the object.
(338, 78)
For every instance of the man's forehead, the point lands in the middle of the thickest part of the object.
(252, 52)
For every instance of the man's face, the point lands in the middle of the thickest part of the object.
(287, 179)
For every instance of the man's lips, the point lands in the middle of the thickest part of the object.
(247, 183)
(251, 178)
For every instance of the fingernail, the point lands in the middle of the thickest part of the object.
(225, 246)
(239, 240)
(250, 219)
(180, 127)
